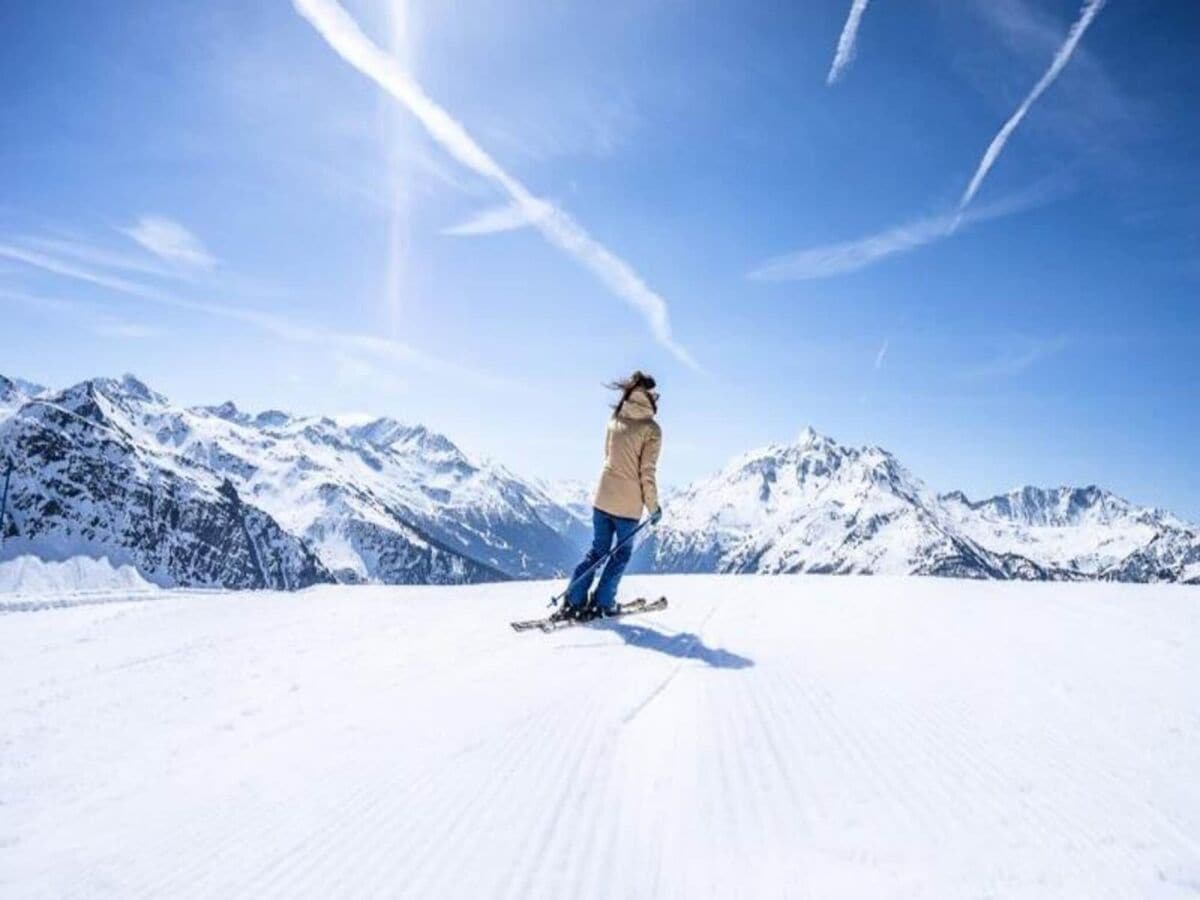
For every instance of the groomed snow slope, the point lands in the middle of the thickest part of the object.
(765, 737)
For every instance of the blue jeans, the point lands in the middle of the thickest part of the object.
(604, 528)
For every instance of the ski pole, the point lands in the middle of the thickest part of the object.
(621, 543)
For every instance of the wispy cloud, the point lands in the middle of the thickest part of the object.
(496, 220)
(69, 269)
(846, 43)
(84, 316)
(126, 330)
(171, 241)
(71, 247)
(351, 370)
(588, 120)
(1020, 355)
(828, 260)
(882, 354)
(105, 258)
(1087, 13)
(342, 33)
(281, 327)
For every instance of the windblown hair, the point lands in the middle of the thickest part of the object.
(627, 386)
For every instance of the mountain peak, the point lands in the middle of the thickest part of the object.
(812, 442)
(1058, 506)
(11, 385)
(272, 418)
(382, 432)
(227, 411)
(135, 387)
(386, 433)
(810, 438)
(124, 389)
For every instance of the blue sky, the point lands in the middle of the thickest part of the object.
(212, 197)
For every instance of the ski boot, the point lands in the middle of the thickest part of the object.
(591, 610)
(585, 613)
(568, 613)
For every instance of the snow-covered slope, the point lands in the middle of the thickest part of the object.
(783, 737)
(574, 498)
(376, 502)
(78, 575)
(819, 506)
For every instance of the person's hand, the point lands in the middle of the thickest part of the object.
(656, 516)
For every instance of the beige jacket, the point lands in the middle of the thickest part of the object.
(631, 448)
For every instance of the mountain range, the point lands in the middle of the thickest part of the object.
(216, 496)
(818, 506)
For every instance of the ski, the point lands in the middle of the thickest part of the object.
(633, 607)
(530, 624)
(549, 623)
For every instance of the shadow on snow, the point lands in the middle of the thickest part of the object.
(683, 645)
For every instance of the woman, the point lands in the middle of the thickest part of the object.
(628, 482)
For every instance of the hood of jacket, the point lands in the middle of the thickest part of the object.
(637, 406)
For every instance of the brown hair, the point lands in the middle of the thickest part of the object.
(638, 380)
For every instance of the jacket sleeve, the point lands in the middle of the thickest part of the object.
(648, 467)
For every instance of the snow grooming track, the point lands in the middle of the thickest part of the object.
(763, 737)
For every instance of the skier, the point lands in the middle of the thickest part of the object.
(628, 482)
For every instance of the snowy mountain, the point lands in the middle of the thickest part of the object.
(1085, 530)
(818, 506)
(575, 499)
(218, 496)
(84, 484)
(15, 393)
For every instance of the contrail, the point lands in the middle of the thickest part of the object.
(828, 260)
(1061, 58)
(400, 206)
(492, 221)
(845, 46)
(342, 33)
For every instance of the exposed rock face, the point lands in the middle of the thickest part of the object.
(82, 486)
